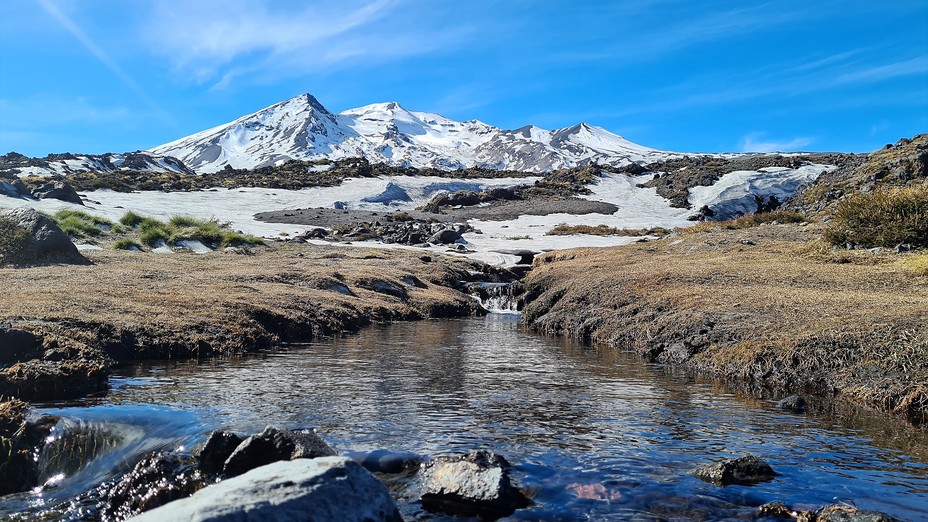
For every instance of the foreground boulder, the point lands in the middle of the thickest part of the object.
(28, 237)
(744, 471)
(476, 484)
(275, 444)
(322, 489)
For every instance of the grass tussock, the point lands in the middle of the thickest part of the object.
(747, 221)
(127, 243)
(882, 218)
(917, 263)
(185, 228)
(604, 230)
(762, 307)
(80, 224)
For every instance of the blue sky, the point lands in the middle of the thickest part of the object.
(99, 76)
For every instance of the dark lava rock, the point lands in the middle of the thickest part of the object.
(217, 449)
(792, 404)
(275, 444)
(33, 238)
(444, 237)
(744, 471)
(59, 190)
(15, 345)
(844, 513)
(476, 484)
(158, 479)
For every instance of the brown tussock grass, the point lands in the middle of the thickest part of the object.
(767, 306)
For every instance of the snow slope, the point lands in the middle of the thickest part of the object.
(63, 164)
(302, 128)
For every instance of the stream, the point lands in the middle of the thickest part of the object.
(575, 422)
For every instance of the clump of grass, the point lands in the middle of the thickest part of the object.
(77, 223)
(603, 230)
(747, 221)
(12, 239)
(230, 238)
(918, 264)
(518, 238)
(131, 219)
(884, 217)
(126, 243)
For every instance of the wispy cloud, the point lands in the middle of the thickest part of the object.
(758, 142)
(101, 55)
(219, 41)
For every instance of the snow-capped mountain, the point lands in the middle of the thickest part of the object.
(302, 128)
(63, 164)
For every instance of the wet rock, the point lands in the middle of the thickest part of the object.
(792, 404)
(744, 471)
(392, 462)
(328, 488)
(275, 444)
(845, 513)
(59, 190)
(476, 484)
(445, 236)
(16, 344)
(34, 239)
(775, 510)
(156, 480)
(19, 439)
(217, 449)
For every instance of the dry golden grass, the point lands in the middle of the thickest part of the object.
(768, 306)
(148, 305)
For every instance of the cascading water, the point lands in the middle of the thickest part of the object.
(497, 298)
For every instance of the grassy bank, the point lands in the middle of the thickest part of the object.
(129, 306)
(769, 307)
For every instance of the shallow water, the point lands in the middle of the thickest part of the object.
(570, 419)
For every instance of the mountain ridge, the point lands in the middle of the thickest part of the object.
(303, 128)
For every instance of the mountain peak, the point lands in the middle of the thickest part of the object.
(302, 128)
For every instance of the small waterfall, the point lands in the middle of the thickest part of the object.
(496, 298)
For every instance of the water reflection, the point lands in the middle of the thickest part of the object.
(573, 419)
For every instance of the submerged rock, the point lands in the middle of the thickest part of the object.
(792, 404)
(845, 513)
(156, 480)
(744, 471)
(390, 462)
(322, 489)
(476, 484)
(275, 444)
